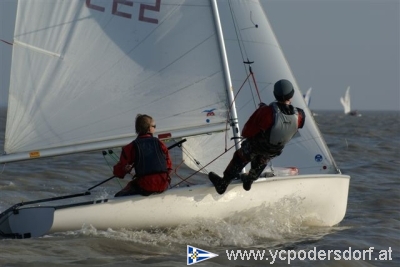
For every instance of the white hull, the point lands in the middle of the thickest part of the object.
(322, 202)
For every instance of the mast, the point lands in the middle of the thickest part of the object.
(228, 82)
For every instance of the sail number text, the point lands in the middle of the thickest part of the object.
(143, 16)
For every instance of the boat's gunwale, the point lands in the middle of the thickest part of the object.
(191, 188)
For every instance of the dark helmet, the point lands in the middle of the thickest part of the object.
(283, 90)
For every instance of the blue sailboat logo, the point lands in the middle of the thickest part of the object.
(195, 255)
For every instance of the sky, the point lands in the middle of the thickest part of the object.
(329, 45)
(7, 16)
(333, 44)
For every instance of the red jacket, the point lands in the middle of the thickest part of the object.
(158, 182)
(262, 119)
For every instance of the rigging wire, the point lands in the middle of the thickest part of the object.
(109, 165)
(6, 42)
(249, 72)
(184, 180)
(178, 166)
(229, 109)
(190, 156)
(242, 48)
(113, 155)
(251, 19)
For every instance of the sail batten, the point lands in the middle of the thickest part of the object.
(38, 49)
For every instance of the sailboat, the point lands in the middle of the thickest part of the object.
(307, 96)
(307, 99)
(89, 67)
(345, 101)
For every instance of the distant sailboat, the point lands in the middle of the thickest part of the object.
(307, 99)
(347, 105)
(307, 96)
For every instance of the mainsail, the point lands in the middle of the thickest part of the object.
(82, 70)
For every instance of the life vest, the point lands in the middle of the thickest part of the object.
(149, 157)
(285, 126)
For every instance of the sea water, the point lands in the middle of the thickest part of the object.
(367, 148)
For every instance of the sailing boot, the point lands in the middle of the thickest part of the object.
(237, 163)
(219, 183)
(253, 175)
(248, 179)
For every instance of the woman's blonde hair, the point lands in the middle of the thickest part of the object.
(143, 123)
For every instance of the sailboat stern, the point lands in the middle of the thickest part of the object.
(26, 222)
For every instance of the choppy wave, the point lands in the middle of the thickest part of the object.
(367, 148)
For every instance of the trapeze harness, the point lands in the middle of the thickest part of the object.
(149, 157)
(283, 123)
(284, 128)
